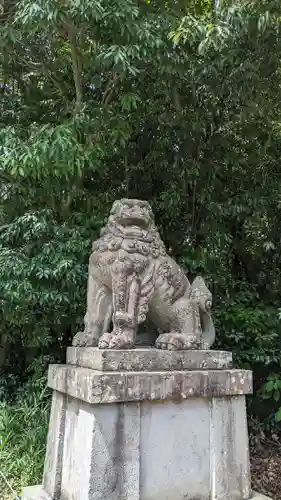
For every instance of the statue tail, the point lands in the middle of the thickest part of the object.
(208, 328)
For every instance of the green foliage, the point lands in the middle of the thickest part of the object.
(23, 433)
(272, 389)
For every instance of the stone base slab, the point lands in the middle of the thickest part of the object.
(34, 493)
(94, 386)
(173, 435)
(147, 359)
(191, 449)
(37, 493)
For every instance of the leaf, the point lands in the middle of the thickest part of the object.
(276, 395)
(278, 415)
(269, 386)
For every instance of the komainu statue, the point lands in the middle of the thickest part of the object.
(132, 278)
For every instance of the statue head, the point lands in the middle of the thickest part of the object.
(129, 212)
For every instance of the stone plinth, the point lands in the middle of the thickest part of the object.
(147, 359)
(146, 425)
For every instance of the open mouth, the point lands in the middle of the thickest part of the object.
(133, 220)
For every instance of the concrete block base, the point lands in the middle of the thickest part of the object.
(153, 435)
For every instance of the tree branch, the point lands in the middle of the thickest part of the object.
(76, 65)
(67, 202)
(39, 67)
(108, 93)
(176, 99)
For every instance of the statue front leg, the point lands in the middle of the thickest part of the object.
(125, 294)
(98, 316)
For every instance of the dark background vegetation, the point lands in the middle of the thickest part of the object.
(176, 102)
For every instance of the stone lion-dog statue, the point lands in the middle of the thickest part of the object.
(131, 278)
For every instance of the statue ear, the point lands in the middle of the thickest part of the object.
(110, 219)
(115, 206)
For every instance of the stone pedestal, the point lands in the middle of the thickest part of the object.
(146, 424)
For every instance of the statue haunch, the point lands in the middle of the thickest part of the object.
(131, 277)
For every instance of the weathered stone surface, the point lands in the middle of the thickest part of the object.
(102, 452)
(177, 435)
(110, 387)
(259, 496)
(175, 451)
(147, 359)
(131, 278)
(35, 493)
(54, 452)
(229, 448)
(194, 449)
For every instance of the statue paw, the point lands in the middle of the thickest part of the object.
(175, 341)
(78, 339)
(84, 339)
(204, 346)
(123, 339)
(104, 342)
(170, 341)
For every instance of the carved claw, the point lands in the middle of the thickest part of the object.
(177, 341)
(84, 339)
(204, 346)
(104, 342)
(123, 340)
